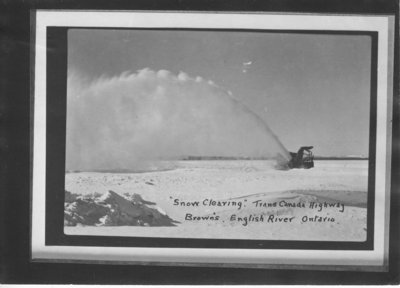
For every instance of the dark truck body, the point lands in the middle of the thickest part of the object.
(304, 158)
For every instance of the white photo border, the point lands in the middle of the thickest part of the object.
(375, 260)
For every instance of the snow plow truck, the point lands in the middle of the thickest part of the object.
(304, 158)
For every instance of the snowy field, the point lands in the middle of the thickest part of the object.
(230, 200)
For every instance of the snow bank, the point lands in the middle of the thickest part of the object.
(112, 209)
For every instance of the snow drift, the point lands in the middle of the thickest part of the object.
(112, 209)
(127, 121)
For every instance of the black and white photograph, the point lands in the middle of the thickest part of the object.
(230, 139)
(218, 134)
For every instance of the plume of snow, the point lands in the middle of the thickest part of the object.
(126, 120)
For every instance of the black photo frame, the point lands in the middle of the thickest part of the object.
(23, 263)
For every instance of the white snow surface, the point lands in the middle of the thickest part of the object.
(331, 181)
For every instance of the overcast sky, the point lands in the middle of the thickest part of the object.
(311, 89)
